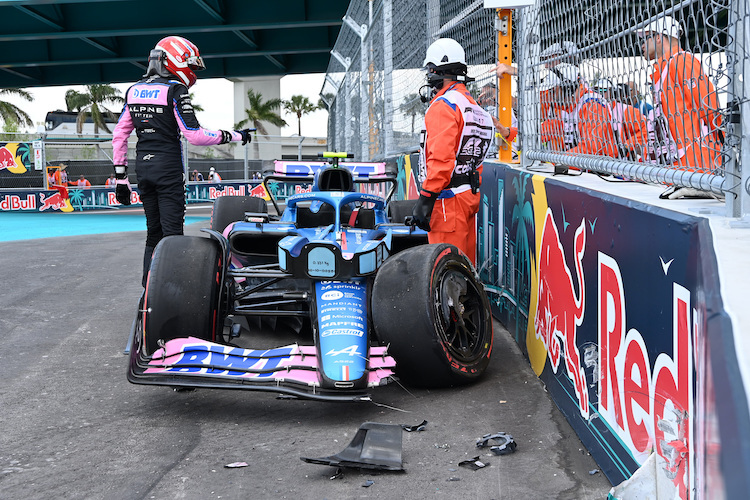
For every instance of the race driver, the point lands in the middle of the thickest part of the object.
(456, 136)
(158, 107)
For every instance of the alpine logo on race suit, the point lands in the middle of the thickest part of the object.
(560, 310)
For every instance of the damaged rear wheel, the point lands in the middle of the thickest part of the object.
(430, 308)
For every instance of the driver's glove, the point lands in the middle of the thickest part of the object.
(423, 209)
(122, 185)
(246, 136)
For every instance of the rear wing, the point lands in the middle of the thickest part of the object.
(300, 171)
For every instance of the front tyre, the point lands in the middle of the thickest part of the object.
(429, 306)
(182, 292)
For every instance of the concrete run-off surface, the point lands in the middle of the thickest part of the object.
(73, 427)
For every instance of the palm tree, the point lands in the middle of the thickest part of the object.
(413, 106)
(91, 104)
(259, 111)
(300, 105)
(10, 113)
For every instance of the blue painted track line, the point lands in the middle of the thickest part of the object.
(16, 226)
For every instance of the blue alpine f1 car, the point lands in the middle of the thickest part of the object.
(366, 298)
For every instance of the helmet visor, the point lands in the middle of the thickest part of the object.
(196, 63)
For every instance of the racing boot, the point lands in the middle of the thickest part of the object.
(148, 252)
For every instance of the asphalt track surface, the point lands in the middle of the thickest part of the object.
(73, 427)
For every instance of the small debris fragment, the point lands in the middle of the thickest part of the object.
(445, 446)
(453, 479)
(500, 443)
(414, 428)
(235, 465)
(473, 464)
(339, 473)
(368, 483)
(592, 472)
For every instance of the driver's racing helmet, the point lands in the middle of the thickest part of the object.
(445, 57)
(181, 58)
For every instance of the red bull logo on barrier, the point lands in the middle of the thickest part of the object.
(650, 409)
(15, 202)
(560, 309)
(55, 201)
(214, 193)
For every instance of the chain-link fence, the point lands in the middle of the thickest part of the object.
(374, 76)
(646, 91)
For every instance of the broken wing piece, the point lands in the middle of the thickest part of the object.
(375, 446)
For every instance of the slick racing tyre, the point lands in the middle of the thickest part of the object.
(432, 311)
(182, 291)
(228, 209)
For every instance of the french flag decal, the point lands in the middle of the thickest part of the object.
(345, 372)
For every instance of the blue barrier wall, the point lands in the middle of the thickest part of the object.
(617, 305)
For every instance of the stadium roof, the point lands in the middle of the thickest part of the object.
(73, 42)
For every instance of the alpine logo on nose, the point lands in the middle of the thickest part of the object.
(147, 157)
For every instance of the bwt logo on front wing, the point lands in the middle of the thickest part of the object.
(236, 362)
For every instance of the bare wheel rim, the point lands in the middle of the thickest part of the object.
(460, 312)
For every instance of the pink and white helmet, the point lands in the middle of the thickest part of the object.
(182, 58)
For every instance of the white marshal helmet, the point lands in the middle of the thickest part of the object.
(565, 52)
(562, 75)
(445, 52)
(665, 25)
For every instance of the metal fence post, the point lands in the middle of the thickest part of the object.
(246, 166)
(388, 74)
(738, 126)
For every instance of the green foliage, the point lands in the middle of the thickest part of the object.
(10, 126)
(12, 114)
(413, 106)
(87, 153)
(257, 112)
(300, 105)
(91, 105)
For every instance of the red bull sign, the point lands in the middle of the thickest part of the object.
(608, 300)
(560, 307)
(57, 201)
(214, 193)
(12, 202)
(650, 409)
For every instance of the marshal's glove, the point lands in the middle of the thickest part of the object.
(122, 185)
(423, 209)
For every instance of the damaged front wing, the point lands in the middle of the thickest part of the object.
(290, 370)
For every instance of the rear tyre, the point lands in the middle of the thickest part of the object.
(228, 209)
(182, 292)
(430, 308)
